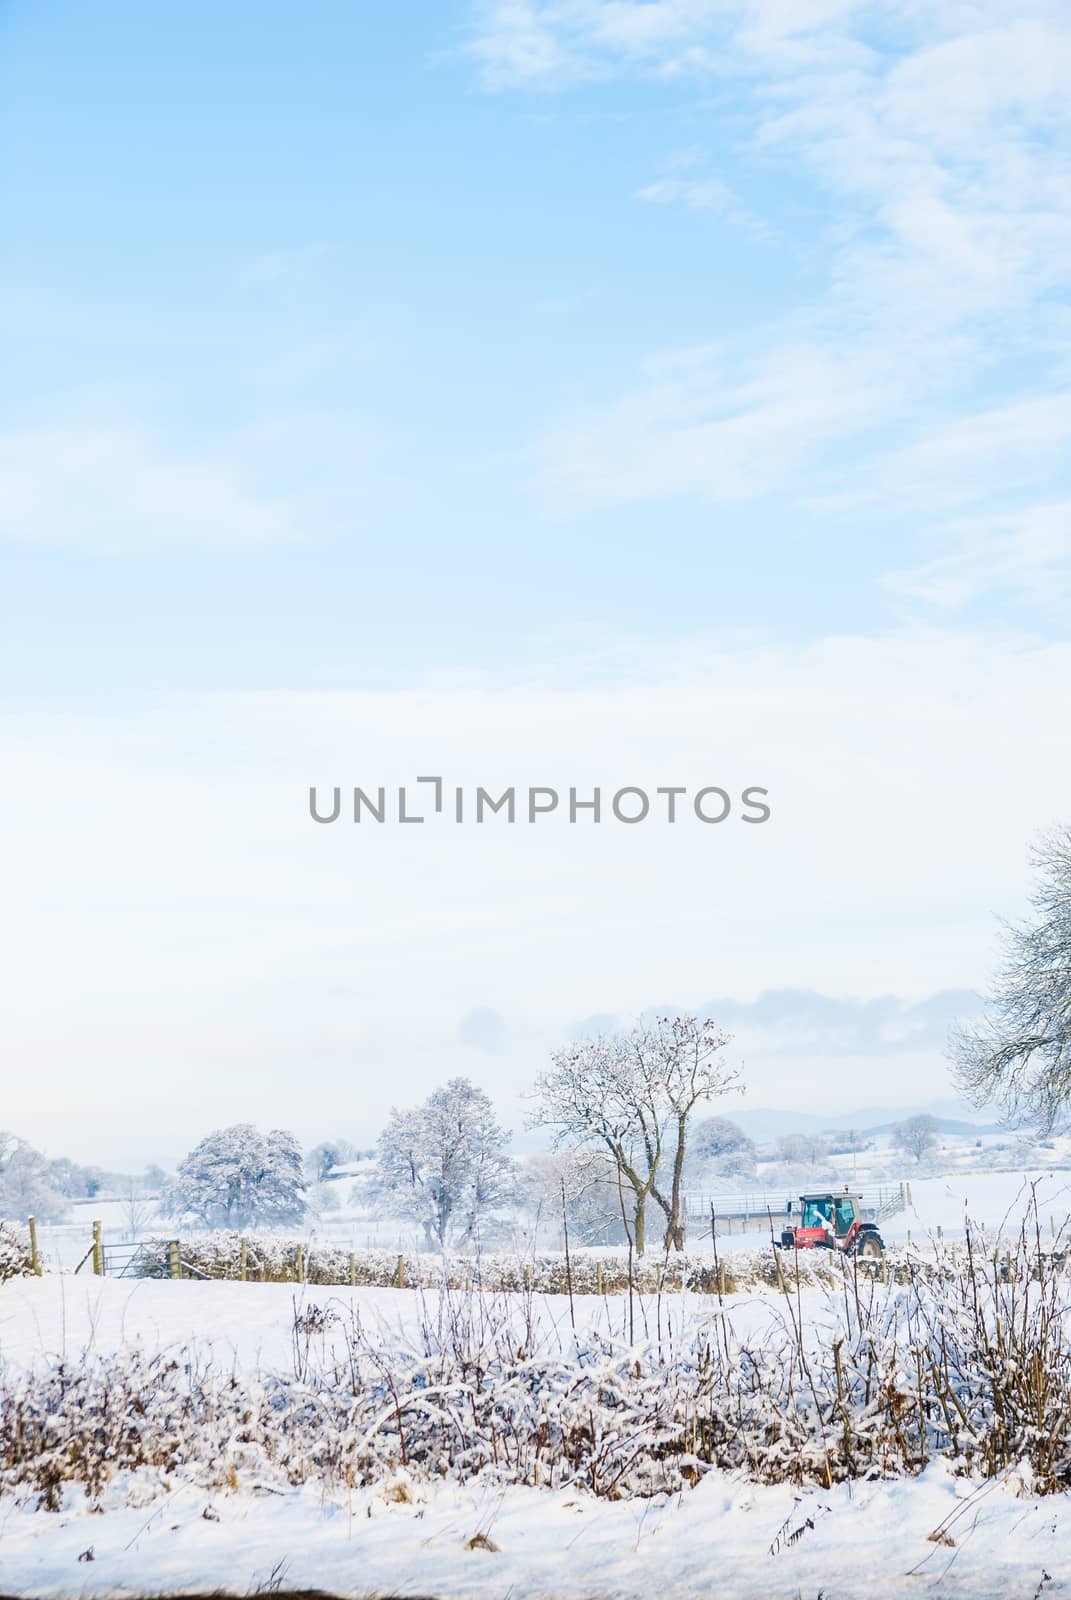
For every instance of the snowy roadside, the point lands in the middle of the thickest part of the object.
(858, 1542)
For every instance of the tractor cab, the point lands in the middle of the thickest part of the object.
(832, 1222)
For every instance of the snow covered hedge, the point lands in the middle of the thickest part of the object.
(14, 1251)
(218, 1255)
(971, 1368)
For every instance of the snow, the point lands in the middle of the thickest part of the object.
(997, 1201)
(994, 1200)
(412, 1538)
(60, 1317)
(868, 1540)
(415, 1537)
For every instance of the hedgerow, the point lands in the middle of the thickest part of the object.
(279, 1260)
(14, 1252)
(864, 1380)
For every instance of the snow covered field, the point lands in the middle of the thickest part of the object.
(248, 1327)
(413, 1534)
(864, 1542)
(408, 1535)
(992, 1200)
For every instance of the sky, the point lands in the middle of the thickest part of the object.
(578, 394)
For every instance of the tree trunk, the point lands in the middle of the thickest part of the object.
(675, 1226)
(639, 1223)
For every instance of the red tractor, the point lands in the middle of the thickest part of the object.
(834, 1222)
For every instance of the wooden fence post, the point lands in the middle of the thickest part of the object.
(242, 1260)
(98, 1251)
(35, 1264)
(780, 1275)
(174, 1263)
(300, 1264)
(353, 1270)
(400, 1275)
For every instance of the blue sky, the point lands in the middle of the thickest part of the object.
(565, 349)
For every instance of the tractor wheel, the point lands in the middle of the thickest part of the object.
(869, 1248)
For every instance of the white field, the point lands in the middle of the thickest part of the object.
(867, 1540)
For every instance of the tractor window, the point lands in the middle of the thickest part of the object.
(845, 1212)
(816, 1214)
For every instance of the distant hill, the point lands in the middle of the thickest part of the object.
(766, 1123)
(944, 1125)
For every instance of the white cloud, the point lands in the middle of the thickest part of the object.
(700, 194)
(302, 973)
(705, 194)
(696, 424)
(938, 138)
(524, 43)
(519, 44)
(1027, 552)
(117, 488)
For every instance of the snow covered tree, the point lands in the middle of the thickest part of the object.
(1020, 1054)
(239, 1177)
(683, 1058)
(323, 1158)
(917, 1135)
(444, 1163)
(594, 1095)
(586, 1180)
(25, 1186)
(719, 1149)
(808, 1150)
(632, 1095)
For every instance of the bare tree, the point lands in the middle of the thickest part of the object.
(632, 1095)
(138, 1208)
(594, 1095)
(682, 1056)
(1020, 1054)
(917, 1135)
(589, 1180)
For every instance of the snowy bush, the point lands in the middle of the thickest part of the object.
(14, 1252)
(275, 1260)
(867, 1380)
